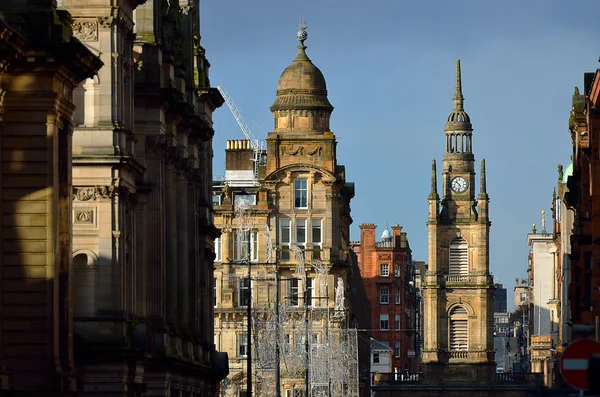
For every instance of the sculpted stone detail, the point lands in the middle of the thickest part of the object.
(301, 151)
(85, 30)
(92, 193)
(385, 257)
(84, 216)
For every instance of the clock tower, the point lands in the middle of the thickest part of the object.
(458, 290)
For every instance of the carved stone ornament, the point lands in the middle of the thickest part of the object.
(301, 151)
(385, 257)
(86, 30)
(92, 193)
(84, 216)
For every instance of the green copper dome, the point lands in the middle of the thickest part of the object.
(567, 173)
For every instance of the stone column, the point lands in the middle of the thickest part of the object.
(36, 239)
(183, 216)
(193, 258)
(155, 230)
(141, 259)
(171, 244)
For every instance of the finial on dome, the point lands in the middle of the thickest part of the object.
(458, 96)
(302, 34)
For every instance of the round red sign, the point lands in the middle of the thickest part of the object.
(574, 362)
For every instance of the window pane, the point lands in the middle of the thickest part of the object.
(384, 270)
(316, 231)
(300, 193)
(293, 292)
(301, 231)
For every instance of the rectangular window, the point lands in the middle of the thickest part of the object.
(285, 238)
(240, 245)
(300, 346)
(317, 239)
(384, 322)
(301, 193)
(242, 393)
(243, 292)
(384, 296)
(218, 249)
(215, 292)
(244, 200)
(397, 349)
(375, 358)
(310, 291)
(293, 292)
(216, 199)
(384, 270)
(242, 343)
(301, 233)
(397, 269)
(398, 322)
(398, 295)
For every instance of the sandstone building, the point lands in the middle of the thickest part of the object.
(108, 219)
(387, 271)
(458, 289)
(284, 250)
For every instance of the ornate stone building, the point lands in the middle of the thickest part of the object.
(458, 289)
(117, 227)
(291, 222)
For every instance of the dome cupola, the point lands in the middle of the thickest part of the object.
(301, 103)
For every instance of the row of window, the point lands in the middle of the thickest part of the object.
(300, 196)
(299, 343)
(292, 298)
(291, 232)
(384, 270)
(384, 296)
(384, 322)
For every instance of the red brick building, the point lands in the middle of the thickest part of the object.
(387, 271)
(583, 196)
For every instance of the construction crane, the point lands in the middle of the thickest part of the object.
(256, 145)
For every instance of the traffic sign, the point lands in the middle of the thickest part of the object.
(574, 362)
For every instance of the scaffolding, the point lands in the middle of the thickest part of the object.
(308, 345)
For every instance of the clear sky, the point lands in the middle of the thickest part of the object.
(390, 66)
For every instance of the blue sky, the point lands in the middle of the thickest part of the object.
(389, 66)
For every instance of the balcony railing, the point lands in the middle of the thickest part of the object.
(460, 278)
(515, 378)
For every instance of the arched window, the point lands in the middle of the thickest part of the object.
(84, 284)
(459, 329)
(459, 256)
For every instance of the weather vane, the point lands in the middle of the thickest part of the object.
(302, 35)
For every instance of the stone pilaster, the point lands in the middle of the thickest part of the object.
(183, 217)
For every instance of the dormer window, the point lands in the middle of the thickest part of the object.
(300, 193)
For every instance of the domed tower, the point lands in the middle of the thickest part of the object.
(458, 289)
(301, 104)
(301, 114)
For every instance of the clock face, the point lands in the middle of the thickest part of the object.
(459, 184)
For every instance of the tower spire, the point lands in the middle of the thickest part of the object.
(458, 96)
(482, 186)
(434, 193)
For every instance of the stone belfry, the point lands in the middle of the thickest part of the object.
(458, 292)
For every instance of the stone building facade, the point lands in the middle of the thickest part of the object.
(295, 209)
(387, 271)
(458, 290)
(127, 305)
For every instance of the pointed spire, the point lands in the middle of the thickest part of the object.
(433, 194)
(482, 181)
(458, 96)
